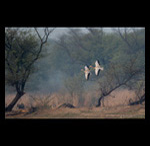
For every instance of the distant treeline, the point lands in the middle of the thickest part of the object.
(63, 59)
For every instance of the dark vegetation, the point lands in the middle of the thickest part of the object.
(67, 105)
(33, 63)
(22, 50)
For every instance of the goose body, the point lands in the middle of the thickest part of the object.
(98, 67)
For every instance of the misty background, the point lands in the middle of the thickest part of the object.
(68, 50)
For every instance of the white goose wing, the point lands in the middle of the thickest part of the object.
(97, 64)
(87, 74)
(97, 70)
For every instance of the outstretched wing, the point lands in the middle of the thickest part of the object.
(97, 64)
(87, 76)
(97, 71)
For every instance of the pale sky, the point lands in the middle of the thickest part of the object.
(62, 30)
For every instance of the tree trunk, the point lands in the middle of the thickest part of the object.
(142, 99)
(14, 101)
(99, 101)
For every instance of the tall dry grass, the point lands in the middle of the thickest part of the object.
(89, 98)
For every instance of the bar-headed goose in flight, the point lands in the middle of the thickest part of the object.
(87, 72)
(97, 67)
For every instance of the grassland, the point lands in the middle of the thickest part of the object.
(119, 112)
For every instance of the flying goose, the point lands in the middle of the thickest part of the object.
(86, 71)
(97, 67)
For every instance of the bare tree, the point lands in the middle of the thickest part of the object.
(115, 78)
(130, 36)
(63, 43)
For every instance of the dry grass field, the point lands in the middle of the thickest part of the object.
(114, 107)
(121, 112)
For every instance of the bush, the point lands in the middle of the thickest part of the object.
(42, 101)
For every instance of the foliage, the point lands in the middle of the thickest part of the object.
(22, 50)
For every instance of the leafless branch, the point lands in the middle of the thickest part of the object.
(47, 33)
(77, 40)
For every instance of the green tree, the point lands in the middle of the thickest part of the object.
(22, 50)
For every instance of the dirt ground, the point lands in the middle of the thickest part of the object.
(117, 112)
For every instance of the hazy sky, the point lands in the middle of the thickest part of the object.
(61, 30)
